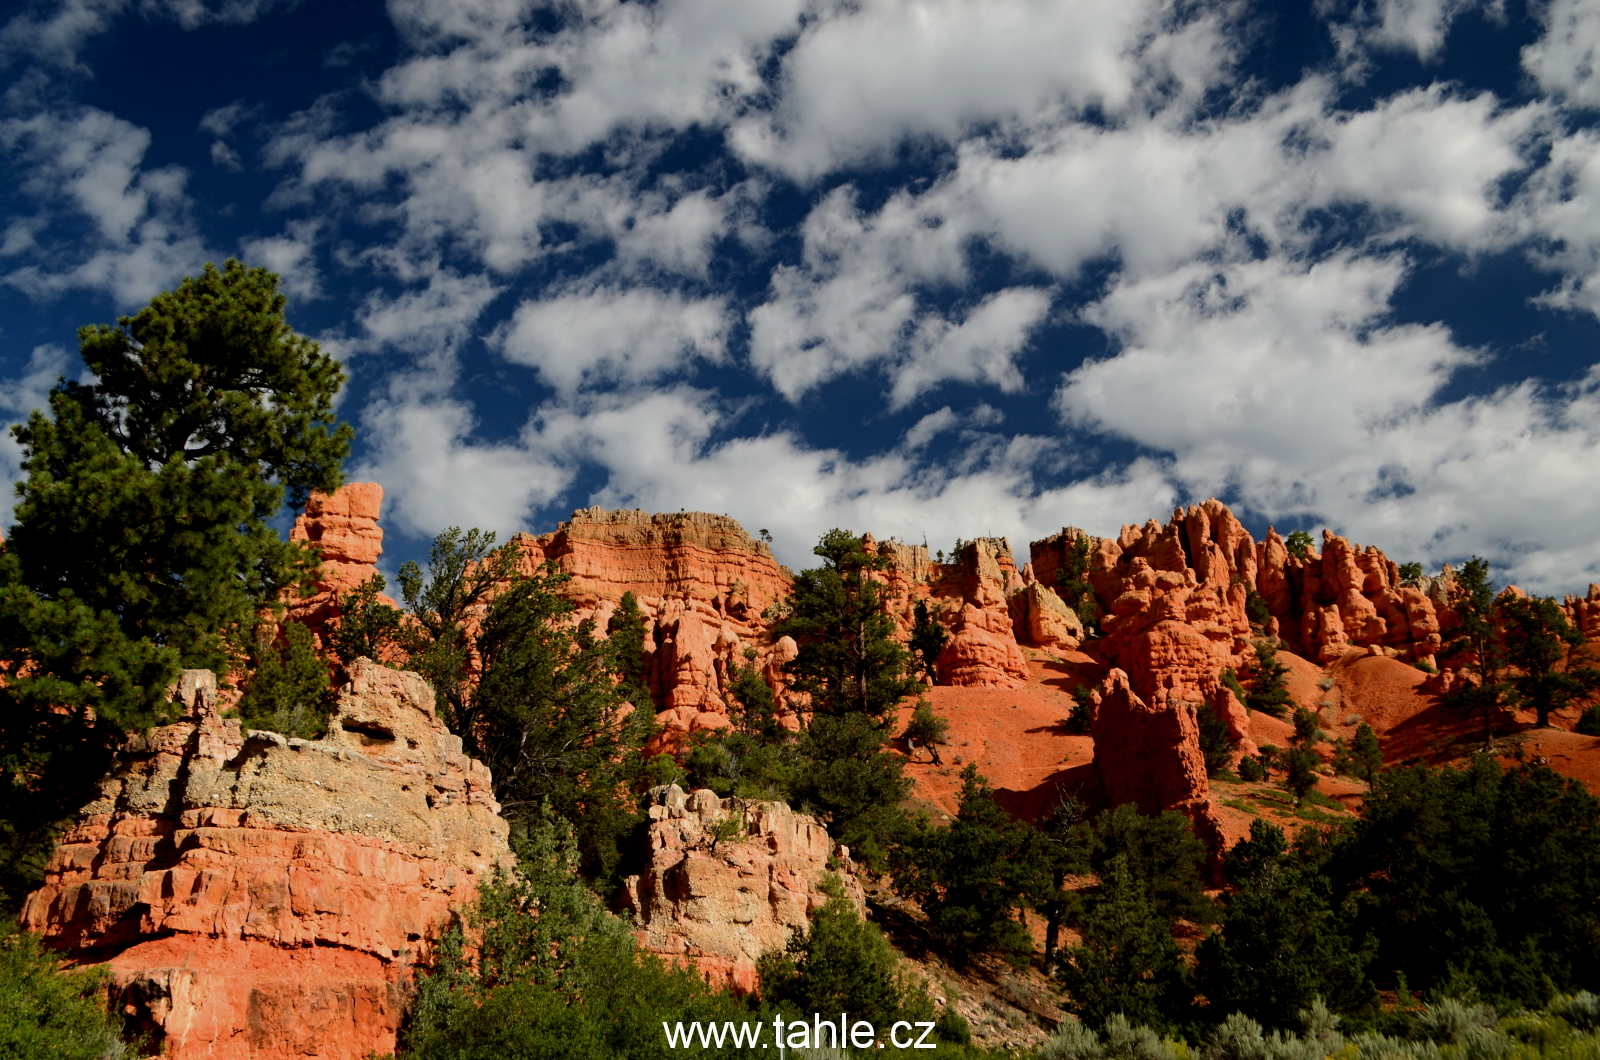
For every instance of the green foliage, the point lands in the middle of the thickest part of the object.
(1269, 692)
(1231, 681)
(464, 571)
(847, 775)
(48, 1013)
(856, 672)
(850, 661)
(553, 975)
(1299, 544)
(367, 628)
(1366, 756)
(1072, 582)
(1080, 718)
(1250, 769)
(926, 727)
(742, 764)
(545, 712)
(1300, 764)
(754, 709)
(1215, 745)
(1410, 574)
(1279, 945)
(1256, 610)
(1589, 723)
(841, 964)
(142, 535)
(971, 877)
(1128, 963)
(625, 630)
(1537, 636)
(1163, 855)
(928, 637)
(1472, 597)
(1480, 876)
(1058, 848)
(288, 692)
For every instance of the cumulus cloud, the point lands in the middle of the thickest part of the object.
(1418, 26)
(125, 229)
(873, 74)
(19, 396)
(1288, 388)
(611, 335)
(1564, 59)
(291, 255)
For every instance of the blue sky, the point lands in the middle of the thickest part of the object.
(926, 267)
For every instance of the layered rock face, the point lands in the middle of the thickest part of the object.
(721, 905)
(1584, 611)
(342, 527)
(257, 897)
(702, 584)
(1148, 753)
(1322, 605)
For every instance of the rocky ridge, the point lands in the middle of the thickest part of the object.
(255, 896)
(720, 901)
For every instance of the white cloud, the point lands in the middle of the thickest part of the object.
(53, 33)
(1417, 26)
(19, 396)
(1286, 387)
(88, 167)
(290, 255)
(1564, 60)
(863, 77)
(610, 335)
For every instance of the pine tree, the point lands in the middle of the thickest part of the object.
(1537, 637)
(926, 729)
(1128, 962)
(625, 629)
(1279, 945)
(1366, 754)
(1472, 597)
(970, 877)
(1268, 692)
(856, 674)
(142, 538)
(927, 638)
(535, 697)
(288, 689)
(850, 661)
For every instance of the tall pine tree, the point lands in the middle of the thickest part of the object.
(142, 537)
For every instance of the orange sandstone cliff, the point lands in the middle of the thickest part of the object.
(257, 897)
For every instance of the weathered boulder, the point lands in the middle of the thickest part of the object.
(1148, 753)
(258, 897)
(342, 528)
(1044, 620)
(720, 903)
(982, 651)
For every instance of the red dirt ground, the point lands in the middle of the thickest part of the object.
(1018, 740)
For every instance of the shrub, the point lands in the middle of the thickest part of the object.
(1250, 769)
(1269, 691)
(289, 692)
(47, 1013)
(1589, 724)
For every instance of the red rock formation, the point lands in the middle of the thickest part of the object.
(256, 897)
(1148, 753)
(982, 652)
(702, 584)
(342, 527)
(721, 909)
(1584, 611)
